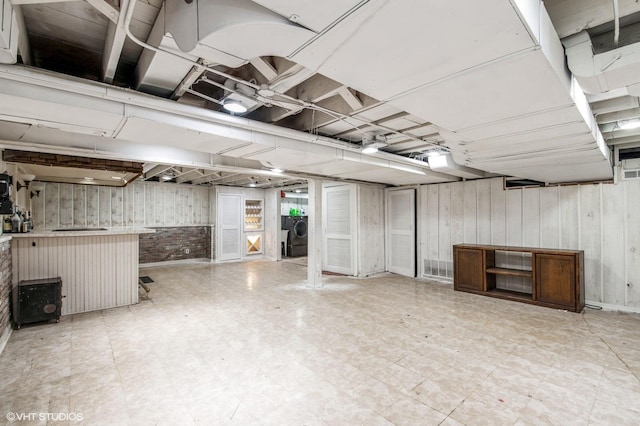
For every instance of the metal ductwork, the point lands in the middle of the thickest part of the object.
(226, 25)
(443, 163)
(9, 34)
(216, 31)
(599, 73)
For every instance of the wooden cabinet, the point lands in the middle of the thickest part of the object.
(469, 266)
(545, 277)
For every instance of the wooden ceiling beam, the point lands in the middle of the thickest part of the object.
(46, 159)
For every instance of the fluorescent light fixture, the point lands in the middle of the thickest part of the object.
(634, 123)
(115, 177)
(252, 184)
(277, 170)
(234, 106)
(298, 191)
(370, 150)
(88, 178)
(166, 177)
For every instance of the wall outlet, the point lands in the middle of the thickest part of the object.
(186, 251)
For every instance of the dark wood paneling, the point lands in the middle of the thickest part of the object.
(469, 269)
(556, 280)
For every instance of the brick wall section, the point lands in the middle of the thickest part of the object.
(169, 243)
(5, 285)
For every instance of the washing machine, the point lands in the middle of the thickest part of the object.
(298, 235)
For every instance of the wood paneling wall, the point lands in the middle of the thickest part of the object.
(138, 204)
(97, 272)
(601, 219)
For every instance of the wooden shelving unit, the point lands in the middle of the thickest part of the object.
(253, 226)
(253, 216)
(552, 278)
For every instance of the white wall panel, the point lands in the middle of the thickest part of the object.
(498, 212)
(431, 198)
(444, 221)
(632, 221)
(79, 206)
(117, 207)
(127, 203)
(613, 252)
(590, 240)
(457, 213)
(138, 204)
(569, 220)
(104, 193)
(549, 218)
(531, 217)
(470, 212)
(483, 213)
(66, 205)
(601, 219)
(513, 217)
(93, 206)
(149, 202)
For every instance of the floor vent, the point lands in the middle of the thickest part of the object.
(438, 268)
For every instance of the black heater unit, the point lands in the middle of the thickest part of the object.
(37, 300)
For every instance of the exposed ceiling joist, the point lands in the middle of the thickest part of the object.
(107, 9)
(263, 67)
(113, 45)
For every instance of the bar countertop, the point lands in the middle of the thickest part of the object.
(82, 232)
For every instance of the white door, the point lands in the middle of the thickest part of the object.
(229, 227)
(338, 218)
(401, 232)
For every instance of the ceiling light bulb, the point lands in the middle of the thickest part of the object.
(298, 191)
(629, 124)
(166, 177)
(252, 184)
(277, 170)
(234, 106)
(369, 150)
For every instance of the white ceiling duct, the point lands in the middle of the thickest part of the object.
(226, 25)
(443, 163)
(9, 34)
(603, 72)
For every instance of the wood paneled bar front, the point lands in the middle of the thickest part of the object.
(98, 267)
(555, 277)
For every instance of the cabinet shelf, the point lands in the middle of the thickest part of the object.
(511, 294)
(510, 271)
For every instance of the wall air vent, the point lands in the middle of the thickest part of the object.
(632, 174)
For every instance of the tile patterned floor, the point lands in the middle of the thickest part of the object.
(247, 343)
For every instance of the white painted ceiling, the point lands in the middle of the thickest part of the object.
(486, 81)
